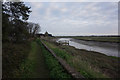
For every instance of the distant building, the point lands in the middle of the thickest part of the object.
(44, 35)
(48, 35)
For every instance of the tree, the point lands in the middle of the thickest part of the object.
(34, 28)
(30, 27)
(16, 10)
(14, 22)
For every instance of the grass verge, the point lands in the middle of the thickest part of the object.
(56, 70)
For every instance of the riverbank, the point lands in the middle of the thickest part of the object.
(110, 49)
(56, 69)
(88, 63)
(110, 39)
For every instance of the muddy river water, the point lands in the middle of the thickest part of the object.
(110, 49)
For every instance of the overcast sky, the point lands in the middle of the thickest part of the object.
(75, 18)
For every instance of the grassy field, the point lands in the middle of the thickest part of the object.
(96, 38)
(90, 64)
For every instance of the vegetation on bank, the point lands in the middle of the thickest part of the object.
(96, 38)
(16, 36)
(34, 65)
(56, 70)
(90, 64)
(13, 55)
(14, 20)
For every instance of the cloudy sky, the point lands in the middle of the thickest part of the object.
(75, 18)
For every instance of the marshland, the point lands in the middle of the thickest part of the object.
(60, 40)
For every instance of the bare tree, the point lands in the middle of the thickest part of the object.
(30, 27)
(34, 28)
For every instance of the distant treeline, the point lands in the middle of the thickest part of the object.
(101, 38)
(92, 36)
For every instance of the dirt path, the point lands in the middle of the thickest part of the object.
(39, 69)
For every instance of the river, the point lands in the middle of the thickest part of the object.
(110, 49)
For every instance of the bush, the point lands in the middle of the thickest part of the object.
(12, 56)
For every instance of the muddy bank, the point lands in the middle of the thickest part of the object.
(110, 49)
(91, 64)
(110, 67)
(99, 41)
(96, 43)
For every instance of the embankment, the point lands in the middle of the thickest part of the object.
(88, 63)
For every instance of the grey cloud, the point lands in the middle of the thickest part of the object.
(76, 18)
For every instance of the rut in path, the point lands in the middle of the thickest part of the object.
(40, 69)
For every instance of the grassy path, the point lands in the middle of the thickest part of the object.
(34, 66)
(40, 69)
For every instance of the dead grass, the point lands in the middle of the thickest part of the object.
(97, 62)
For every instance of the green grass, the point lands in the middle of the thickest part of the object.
(66, 56)
(90, 64)
(61, 53)
(56, 70)
(34, 66)
(37, 62)
(27, 67)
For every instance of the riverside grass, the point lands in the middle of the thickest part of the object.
(66, 56)
(88, 63)
(56, 70)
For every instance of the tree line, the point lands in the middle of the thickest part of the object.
(15, 27)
